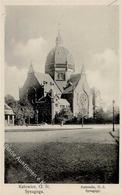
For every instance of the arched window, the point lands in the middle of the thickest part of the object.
(60, 76)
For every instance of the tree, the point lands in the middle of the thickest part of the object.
(99, 115)
(109, 114)
(64, 115)
(10, 101)
(26, 108)
(19, 120)
(22, 108)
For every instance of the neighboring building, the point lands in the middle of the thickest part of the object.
(9, 115)
(59, 87)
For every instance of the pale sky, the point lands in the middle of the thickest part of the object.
(90, 33)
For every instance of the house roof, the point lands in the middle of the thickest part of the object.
(8, 110)
(72, 83)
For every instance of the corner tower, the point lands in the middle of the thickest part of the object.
(59, 63)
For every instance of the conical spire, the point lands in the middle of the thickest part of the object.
(59, 39)
(31, 69)
(83, 70)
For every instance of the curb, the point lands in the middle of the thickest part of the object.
(114, 137)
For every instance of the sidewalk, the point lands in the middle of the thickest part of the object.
(46, 127)
(56, 127)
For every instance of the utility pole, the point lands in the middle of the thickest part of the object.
(113, 115)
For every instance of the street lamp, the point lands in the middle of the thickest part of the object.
(113, 115)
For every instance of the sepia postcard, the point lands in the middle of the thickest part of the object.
(60, 97)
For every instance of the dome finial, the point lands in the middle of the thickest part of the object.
(58, 38)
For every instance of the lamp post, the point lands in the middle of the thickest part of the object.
(52, 103)
(113, 115)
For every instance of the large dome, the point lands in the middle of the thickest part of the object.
(59, 57)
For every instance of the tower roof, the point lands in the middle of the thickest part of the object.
(83, 70)
(31, 69)
(59, 57)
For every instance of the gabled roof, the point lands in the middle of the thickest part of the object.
(72, 83)
(47, 81)
(43, 80)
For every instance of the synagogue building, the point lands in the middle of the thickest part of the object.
(59, 87)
